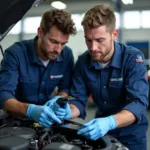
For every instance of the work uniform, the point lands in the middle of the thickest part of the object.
(121, 85)
(24, 77)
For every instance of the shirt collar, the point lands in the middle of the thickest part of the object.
(116, 59)
(59, 57)
(117, 56)
(33, 58)
(94, 64)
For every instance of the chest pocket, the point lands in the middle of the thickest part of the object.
(116, 84)
(116, 91)
(28, 87)
(52, 83)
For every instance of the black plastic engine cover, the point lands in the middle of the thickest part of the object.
(23, 132)
(13, 143)
(61, 146)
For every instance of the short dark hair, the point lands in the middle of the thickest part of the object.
(100, 15)
(59, 18)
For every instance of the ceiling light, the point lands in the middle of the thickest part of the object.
(126, 2)
(58, 5)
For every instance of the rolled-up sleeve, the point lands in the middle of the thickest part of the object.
(79, 90)
(137, 87)
(8, 77)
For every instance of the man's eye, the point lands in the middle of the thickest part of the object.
(100, 40)
(53, 41)
(88, 40)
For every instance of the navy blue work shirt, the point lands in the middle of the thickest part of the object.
(24, 77)
(121, 85)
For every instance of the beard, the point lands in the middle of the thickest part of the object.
(49, 55)
(98, 58)
(101, 57)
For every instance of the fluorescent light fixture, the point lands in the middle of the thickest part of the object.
(129, 23)
(58, 5)
(126, 2)
(144, 21)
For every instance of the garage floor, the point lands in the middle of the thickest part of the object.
(90, 114)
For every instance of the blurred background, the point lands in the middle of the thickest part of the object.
(133, 22)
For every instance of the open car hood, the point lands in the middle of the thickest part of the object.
(11, 11)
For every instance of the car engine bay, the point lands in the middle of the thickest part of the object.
(24, 134)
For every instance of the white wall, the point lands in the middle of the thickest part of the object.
(136, 35)
(77, 44)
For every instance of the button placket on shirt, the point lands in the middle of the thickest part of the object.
(104, 92)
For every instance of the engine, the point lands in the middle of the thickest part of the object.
(24, 134)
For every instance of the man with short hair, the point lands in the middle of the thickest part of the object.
(115, 75)
(31, 69)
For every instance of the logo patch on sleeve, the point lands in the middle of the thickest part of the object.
(139, 58)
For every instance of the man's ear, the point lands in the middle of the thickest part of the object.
(115, 34)
(40, 32)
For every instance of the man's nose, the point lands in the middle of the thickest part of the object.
(58, 47)
(93, 46)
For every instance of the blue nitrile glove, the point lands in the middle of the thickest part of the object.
(42, 115)
(62, 113)
(98, 127)
(51, 101)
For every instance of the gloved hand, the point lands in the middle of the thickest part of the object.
(98, 127)
(62, 113)
(42, 114)
(51, 101)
